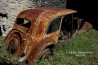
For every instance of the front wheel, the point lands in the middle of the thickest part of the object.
(45, 53)
(37, 54)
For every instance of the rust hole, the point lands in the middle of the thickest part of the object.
(26, 61)
(23, 55)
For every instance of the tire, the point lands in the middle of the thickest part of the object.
(14, 44)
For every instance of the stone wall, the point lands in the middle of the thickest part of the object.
(10, 8)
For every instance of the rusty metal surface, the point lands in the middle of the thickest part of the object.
(37, 50)
(34, 39)
(87, 26)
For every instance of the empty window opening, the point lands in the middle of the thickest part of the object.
(68, 26)
(54, 25)
(23, 22)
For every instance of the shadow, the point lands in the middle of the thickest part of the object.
(0, 31)
(87, 10)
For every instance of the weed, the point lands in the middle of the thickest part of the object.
(80, 50)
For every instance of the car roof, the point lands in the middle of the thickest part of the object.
(33, 14)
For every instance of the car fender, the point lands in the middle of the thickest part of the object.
(9, 36)
(36, 50)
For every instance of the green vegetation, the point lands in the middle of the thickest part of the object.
(79, 50)
(5, 57)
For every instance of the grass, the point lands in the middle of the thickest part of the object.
(79, 50)
(4, 55)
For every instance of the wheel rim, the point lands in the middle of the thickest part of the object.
(14, 45)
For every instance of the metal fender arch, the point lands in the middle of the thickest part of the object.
(9, 37)
(36, 51)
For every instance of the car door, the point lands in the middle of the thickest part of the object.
(54, 28)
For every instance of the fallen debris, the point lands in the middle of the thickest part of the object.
(87, 26)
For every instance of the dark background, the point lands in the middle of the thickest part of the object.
(87, 9)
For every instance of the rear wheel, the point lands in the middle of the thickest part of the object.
(14, 44)
(44, 55)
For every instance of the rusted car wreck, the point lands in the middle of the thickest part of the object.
(36, 31)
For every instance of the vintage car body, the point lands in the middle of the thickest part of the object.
(32, 33)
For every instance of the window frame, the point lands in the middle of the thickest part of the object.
(23, 22)
(51, 22)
